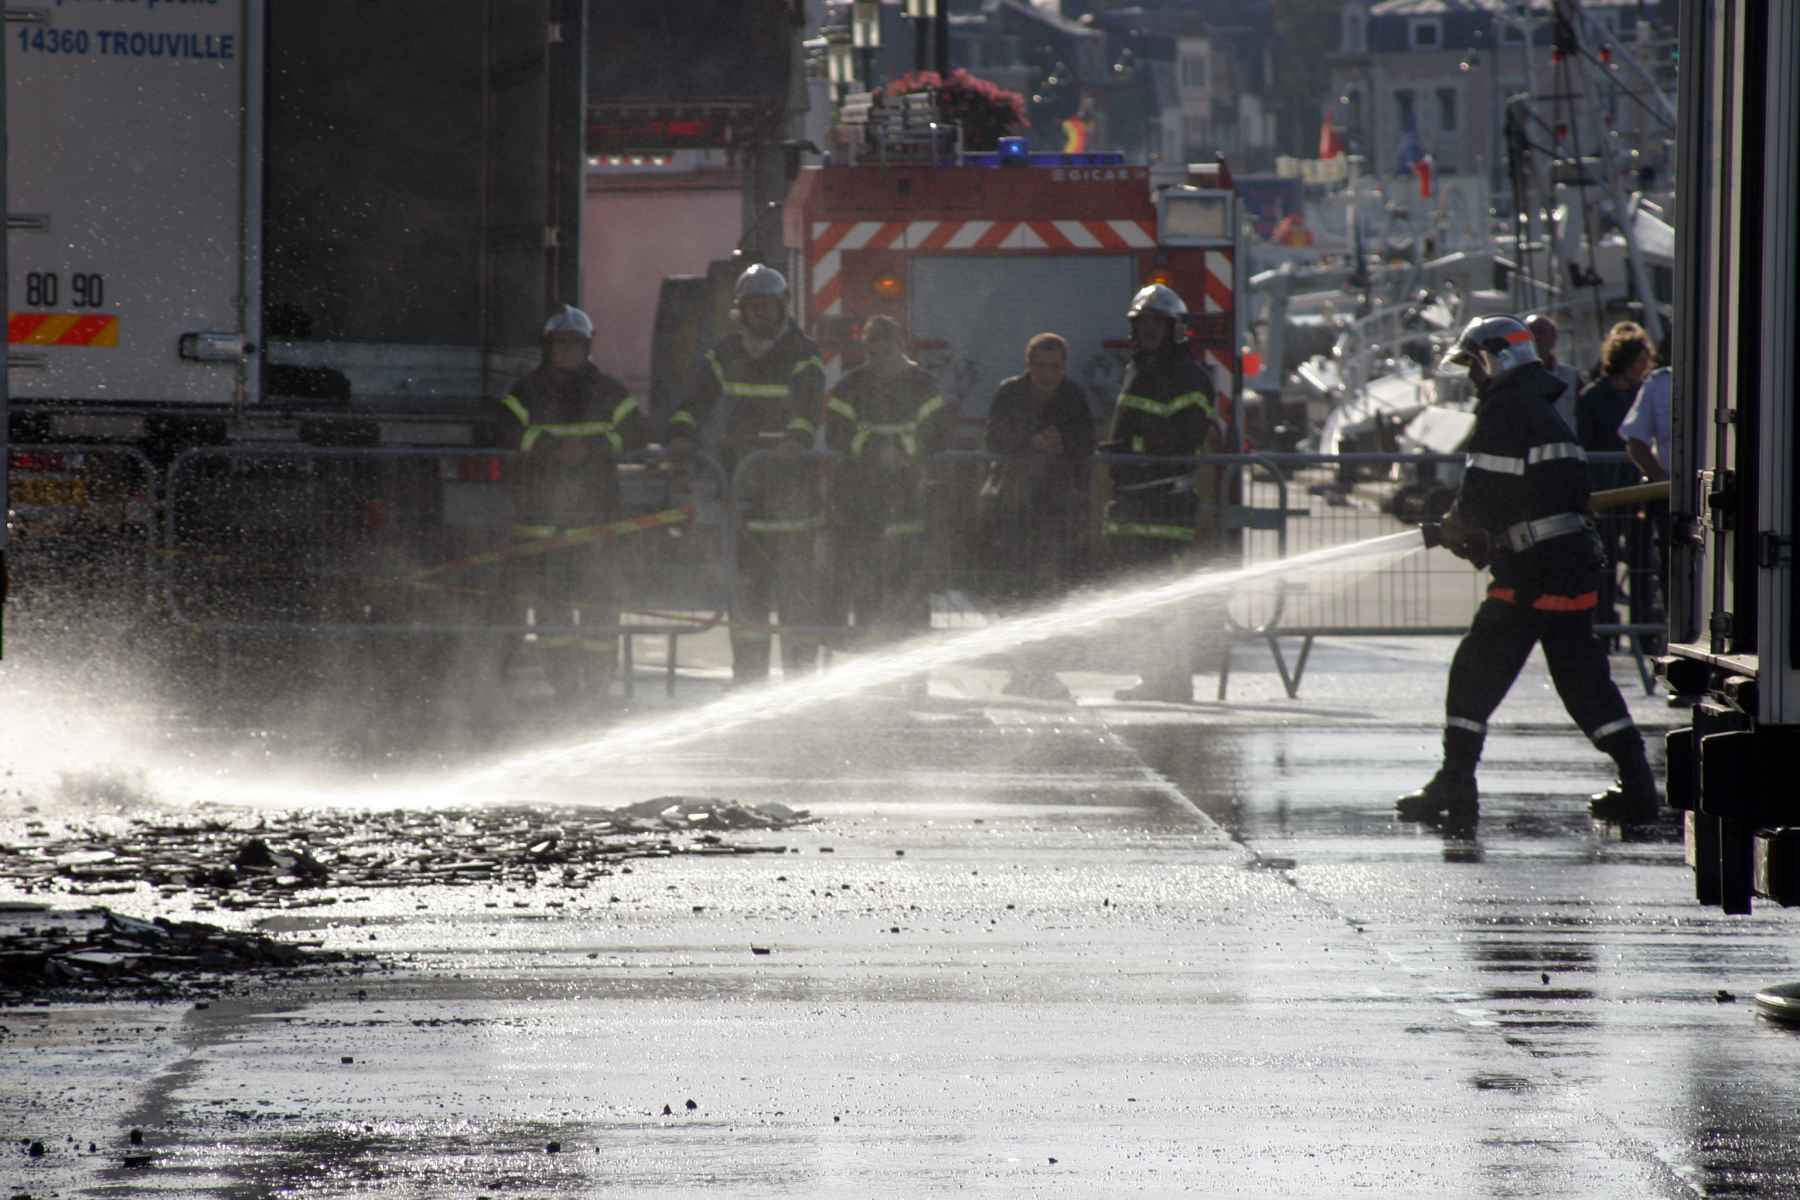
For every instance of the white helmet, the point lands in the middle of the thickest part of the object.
(1500, 344)
(1161, 300)
(758, 280)
(571, 321)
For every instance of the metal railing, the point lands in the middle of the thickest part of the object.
(1352, 497)
(378, 542)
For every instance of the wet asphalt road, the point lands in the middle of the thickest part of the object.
(1030, 950)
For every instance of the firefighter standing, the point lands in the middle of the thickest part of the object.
(569, 423)
(762, 387)
(884, 418)
(1522, 506)
(1161, 511)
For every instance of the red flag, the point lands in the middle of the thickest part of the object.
(1331, 143)
(1423, 169)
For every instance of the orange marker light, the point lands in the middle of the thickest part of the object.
(890, 287)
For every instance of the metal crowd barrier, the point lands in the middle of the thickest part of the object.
(377, 542)
(960, 573)
(1272, 506)
(1352, 497)
(372, 542)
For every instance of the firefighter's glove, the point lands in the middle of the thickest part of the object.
(1466, 542)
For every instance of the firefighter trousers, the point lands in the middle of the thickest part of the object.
(776, 573)
(1494, 651)
(883, 583)
(1165, 644)
(569, 588)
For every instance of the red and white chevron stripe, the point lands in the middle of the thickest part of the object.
(832, 239)
(1218, 298)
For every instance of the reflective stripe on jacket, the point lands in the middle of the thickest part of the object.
(1525, 470)
(739, 399)
(875, 495)
(1164, 410)
(608, 429)
(585, 410)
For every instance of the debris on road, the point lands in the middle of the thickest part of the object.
(84, 950)
(286, 859)
(305, 859)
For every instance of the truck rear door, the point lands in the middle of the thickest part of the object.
(973, 314)
(126, 125)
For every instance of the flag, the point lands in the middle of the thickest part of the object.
(1331, 143)
(1407, 152)
(1075, 135)
(1424, 168)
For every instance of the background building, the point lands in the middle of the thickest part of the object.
(1433, 77)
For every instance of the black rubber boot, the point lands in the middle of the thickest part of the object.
(1450, 796)
(1632, 799)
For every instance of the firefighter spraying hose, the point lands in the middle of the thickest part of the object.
(1523, 511)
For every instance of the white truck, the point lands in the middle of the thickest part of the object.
(1734, 624)
(238, 225)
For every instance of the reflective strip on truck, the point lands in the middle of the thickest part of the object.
(62, 329)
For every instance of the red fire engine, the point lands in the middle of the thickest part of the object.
(975, 257)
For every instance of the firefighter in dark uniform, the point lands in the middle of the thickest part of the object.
(1161, 513)
(884, 418)
(763, 387)
(569, 423)
(1522, 508)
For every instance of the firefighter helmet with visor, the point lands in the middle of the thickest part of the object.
(1500, 345)
(758, 280)
(570, 322)
(1161, 300)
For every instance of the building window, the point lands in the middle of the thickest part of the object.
(1193, 70)
(1353, 33)
(1427, 34)
(1406, 110)
(1446, 104)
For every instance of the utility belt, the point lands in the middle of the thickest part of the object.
(1526, 534)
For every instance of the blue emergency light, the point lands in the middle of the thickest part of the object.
(1014, 152)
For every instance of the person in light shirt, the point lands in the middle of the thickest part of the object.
(1645, 432)
(1544, 333)
(1645, 429)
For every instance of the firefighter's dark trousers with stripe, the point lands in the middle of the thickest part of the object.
(777, 573)
(1494, 651)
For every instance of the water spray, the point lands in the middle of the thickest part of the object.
(579, 764)
(1075, 616)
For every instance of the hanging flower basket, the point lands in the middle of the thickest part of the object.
(986, 113)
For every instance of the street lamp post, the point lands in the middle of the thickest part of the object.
(923, 13)
(865, 35)
(840, 68)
